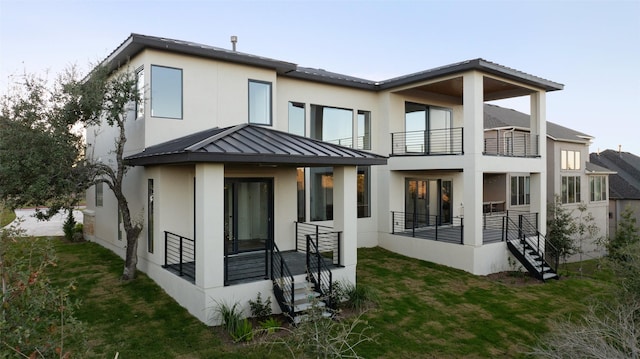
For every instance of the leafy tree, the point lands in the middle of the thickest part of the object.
(104, 99)
(53, 170)
(40, 152)
(36, 317)
(586, 228)
(560, 229)
(626, 234)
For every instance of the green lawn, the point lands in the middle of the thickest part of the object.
(426, 310)
(6, 216)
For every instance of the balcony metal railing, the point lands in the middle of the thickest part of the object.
(427, 227)
(180, 255)
(427, 143)
(511, 144)
(326, 240)
(362, 142)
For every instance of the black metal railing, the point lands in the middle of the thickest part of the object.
(520, 228)
(283, 284)
(326, 240)
(428, 227)
(362, 142)
(239, 267)
(427, 143)
(180, 255)
(318, 271)
(511, 144)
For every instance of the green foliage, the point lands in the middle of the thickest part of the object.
(37, 317)
(40, 150)
(360, 297)
(231, 315)
(68, 227)
(627, 233)
(243, 332)
(270, 324)
(6, 216)
(320, 336)
(259, 308)
(560, 229)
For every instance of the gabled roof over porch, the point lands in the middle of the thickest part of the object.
(252, 144)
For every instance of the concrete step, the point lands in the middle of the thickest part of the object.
(549, 275)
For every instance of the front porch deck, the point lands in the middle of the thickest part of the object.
(250, 267)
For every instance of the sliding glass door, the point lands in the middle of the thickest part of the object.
(248, 210)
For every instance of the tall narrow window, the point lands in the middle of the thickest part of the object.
(321, 193)
(259, 102)
(166, 92)
(570, 189)
(296, 118)
(150, 215)
(598, 188)
(520, 190)
(301, 196)
(99, 194)
(140, 88)
(364, 192)
(333, 125)
(119, 225)
(364, 130)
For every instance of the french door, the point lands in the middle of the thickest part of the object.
(248, 214)
(427, 202)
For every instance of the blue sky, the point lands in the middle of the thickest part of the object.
(592, 47)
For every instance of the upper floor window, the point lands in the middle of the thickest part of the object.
(570, 189)
(364, 130)
(259, 102)
(569, 160)
(166, 92)
(296, 118)
(598, 188)
(330, 124)
(520, 190)
(140, 89)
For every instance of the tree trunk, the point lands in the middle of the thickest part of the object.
(131, 258)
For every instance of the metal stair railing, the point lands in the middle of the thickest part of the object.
(283, 283)
(527, 236)
(545, 248)
(319, 273)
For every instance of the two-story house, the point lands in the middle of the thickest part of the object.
(254, 175)
(571, 177)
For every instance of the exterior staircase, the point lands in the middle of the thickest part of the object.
(531, 248)
(532, 259)
(297, 297)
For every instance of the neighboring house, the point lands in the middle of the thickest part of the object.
(249, 173)
(570, 175)
(624, 185)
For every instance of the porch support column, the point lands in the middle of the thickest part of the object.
(209, 225)
(473, 110)
(538, 125)
(345, 212)
(538, 184)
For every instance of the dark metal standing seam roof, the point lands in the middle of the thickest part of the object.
(252, 144)
(135, 43)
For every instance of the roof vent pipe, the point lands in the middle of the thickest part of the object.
(619, 149)
(234, 40)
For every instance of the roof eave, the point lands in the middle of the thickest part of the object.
(476, 64)
(265, 159)
(136, 43)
